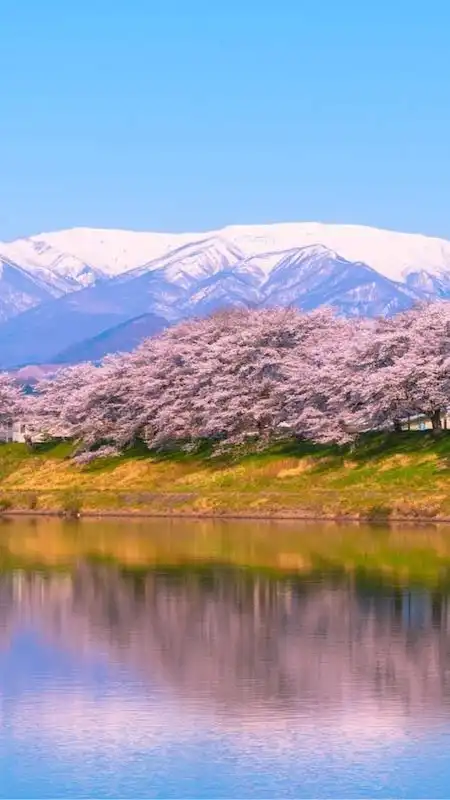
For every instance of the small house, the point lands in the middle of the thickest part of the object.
(16, 431)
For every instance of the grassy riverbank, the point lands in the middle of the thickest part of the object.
(387, 476)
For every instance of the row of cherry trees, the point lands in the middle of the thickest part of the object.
(242, 375)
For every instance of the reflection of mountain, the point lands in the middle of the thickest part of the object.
(246, 643)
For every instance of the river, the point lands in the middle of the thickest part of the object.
(200, 659)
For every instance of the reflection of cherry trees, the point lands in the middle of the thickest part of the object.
(243, 640)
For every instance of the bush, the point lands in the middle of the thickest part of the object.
(5, 503)
(71, 504)
(379, 514)
(32, 501)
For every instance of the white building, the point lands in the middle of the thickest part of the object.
(14, 432)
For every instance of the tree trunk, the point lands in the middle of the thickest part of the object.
(436, 421)
(28, 442)
(397, 426)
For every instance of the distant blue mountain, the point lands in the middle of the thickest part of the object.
(121, 338)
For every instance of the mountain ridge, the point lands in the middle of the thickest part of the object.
(120, 338)
(117, 250)
(73, 286)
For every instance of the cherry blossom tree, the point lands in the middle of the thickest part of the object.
(403, 368)
(254, 375)
(317, 394)
(11, 399)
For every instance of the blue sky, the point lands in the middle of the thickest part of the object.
(192, 114)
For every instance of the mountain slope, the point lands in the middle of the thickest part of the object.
(395, 255)
(73, 286)
(193, 262)
(57, 267)
(39, 334)
(120, 338)
(315, 276)
(20, 290)
(307, 277)
(113, 252)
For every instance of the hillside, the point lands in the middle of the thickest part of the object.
(120, 338)
(386, 477)
(21, 290)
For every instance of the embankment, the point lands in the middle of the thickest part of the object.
(396, 476)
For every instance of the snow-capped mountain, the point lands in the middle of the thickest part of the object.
(312, 276)
(61, 268)
(393, 254)
(112, 252)
(21, 289)
(190, 263)
(61, 289)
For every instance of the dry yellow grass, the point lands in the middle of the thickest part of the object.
(380, 481)
(395, 461)
(306, 465)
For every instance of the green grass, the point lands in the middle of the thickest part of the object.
(384, 476)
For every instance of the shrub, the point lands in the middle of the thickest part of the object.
(71, 504)
(32, 500)
(379, 514)
(5, 503)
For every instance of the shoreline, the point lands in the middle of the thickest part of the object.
(192, 515)
(387, 480)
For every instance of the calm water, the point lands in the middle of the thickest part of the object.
(190, 660)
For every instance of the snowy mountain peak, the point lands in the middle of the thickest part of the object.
(40, 258)
(194, 261)
(390, 253)
(113, 252)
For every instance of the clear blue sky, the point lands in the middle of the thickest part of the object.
(192, 114)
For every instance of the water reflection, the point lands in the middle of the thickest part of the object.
(243, 640)
(318, 673)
